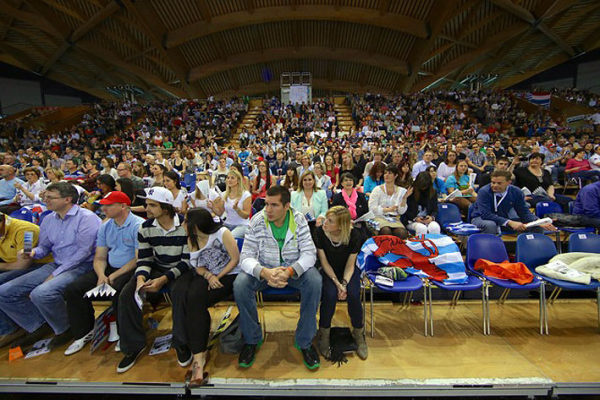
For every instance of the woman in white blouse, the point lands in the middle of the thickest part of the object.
(388, 203)
(171, 182)
(203, 195)
(448, 166)
(235, 205)
(28, 193)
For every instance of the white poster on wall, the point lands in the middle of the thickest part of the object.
(298, 94)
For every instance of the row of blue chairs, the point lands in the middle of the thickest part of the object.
(532, 249)
(28, 215)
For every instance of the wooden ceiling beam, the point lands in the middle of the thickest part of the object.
(396, 22)
(436, 20)
(29, 18)
(149, 22)
(95, 20)
(490, 44)
(528, 17)
(269, 55)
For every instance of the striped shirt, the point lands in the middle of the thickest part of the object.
(166, 251)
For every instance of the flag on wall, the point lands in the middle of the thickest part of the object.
(539, 98)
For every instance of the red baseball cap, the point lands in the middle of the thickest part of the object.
(115, 197)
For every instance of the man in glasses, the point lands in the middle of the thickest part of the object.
(34, 301)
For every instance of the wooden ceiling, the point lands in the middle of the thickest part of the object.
(198, 48)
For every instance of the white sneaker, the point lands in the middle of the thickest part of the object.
(113, 336)
(118, 346)
(79, 344)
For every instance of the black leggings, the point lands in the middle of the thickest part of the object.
(329, 300)
(191, 298)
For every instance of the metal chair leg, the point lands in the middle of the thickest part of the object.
(425, 316)
(372, 320)
(545, 307)
(598, 304)
(430, 310)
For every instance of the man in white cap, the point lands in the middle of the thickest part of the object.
(114, 262)
(163, 256)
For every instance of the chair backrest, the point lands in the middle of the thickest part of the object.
(534, 249)
(448, 213)
(469, 212)
(371, 263)
(43, 215)
(584, 242)
(547, 207)
(189, 180)
(24, 214)
(240, 243)
(486, 246)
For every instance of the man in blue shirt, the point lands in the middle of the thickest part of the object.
(587, 205)
(8, 190)
(34, 301)
(114, 262)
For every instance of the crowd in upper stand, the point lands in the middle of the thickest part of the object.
(294, 174)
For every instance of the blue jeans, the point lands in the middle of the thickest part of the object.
(7, 326)
(309, 284)
(30, 302)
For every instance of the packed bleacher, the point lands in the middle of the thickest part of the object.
(155, 198)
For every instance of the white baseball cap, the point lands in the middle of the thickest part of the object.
(159, 194)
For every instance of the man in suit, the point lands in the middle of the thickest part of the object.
(501, 204)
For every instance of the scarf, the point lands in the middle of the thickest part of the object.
(351, 202)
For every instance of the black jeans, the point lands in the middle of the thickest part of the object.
(130, 319)
(191, 299)
(80, 309)
(330, 297)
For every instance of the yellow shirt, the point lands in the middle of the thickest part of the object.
(12, 241)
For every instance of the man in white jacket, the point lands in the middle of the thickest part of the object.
(278, 251)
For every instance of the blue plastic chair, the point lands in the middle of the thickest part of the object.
(550, 207)
(491, 247)
(286, 291)
(448, 213)
(584, 242)
(42, 216)
(534, 249)
(23, 214)
(189, 181)
(407, 286)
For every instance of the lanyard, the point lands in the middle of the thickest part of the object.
(496, 202)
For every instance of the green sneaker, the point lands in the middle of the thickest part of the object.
(248, 354)
(310, 357)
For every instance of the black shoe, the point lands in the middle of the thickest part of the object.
(247, 355)
(129, 360)
(60, 340)
(39, 334)
(310, 357)
(184, 356)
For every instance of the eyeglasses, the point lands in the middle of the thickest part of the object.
(51, 198)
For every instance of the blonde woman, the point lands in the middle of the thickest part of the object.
(235, 204)
(309, 199)
(338, 245)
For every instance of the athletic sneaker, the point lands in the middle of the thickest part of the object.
(310, 357)
(184, 357)
(79, 344)
(248, 354)
(129, 360)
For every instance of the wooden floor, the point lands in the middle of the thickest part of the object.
(515, 351)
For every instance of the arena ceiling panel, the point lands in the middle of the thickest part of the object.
(199, 48)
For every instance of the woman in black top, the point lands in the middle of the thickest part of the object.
(422, 206)
(538, 182)
(338, 245)
(355, 201)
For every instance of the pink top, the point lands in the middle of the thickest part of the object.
(583, 165)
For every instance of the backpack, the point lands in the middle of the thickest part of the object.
(341, 342)
(231, 341)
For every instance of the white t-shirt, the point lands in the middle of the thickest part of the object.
(180, 199)
(213, 256)
(195, 202)
(233, 218)
(595, 159)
